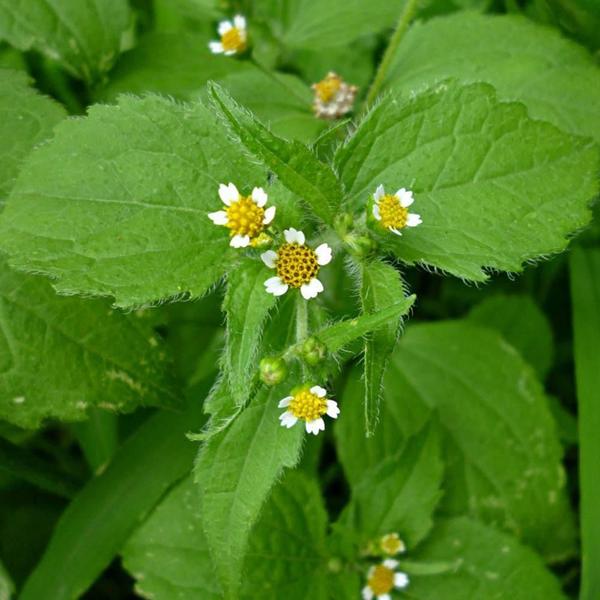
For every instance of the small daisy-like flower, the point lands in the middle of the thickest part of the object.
(391, 544)
(382, 579)
(309, 405)
(234, 37)
(391, 210)
(333, 97)
(244, 216)
(297, 266)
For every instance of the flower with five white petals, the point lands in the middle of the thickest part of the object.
(308, 404)
(297, 266)
(391, 210)
(234, 37)
(244, 216)
(382, 579)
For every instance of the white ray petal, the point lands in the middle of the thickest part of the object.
(215, 47)
(269, 215)
(332, 409)
(240, 241)
(259, 196)
(401, 580)
(285, 402)
(218, 218)
(405, 197)
(275, 286)
(379, 192)
(228, 193)
(311, 289)
(239, 21)
(269, 258)
(413, 220)
(323, 253)
(288, 419)
(390, 563)
(317, 390)
(396, 231)
(384, 597)
(367, 593)
(294, 236)
(230, 52)
(376, 212)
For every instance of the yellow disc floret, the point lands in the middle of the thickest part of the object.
(393, 214)
(381, 580)
(233, 40)
(308, 406)
(328, 87)
(296, 264)
(244, 217)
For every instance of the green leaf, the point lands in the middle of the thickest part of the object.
(380, 286)
(295, 165)
(84, 36)
(247, 307)
(61, 356)
(502, 453)
(494, 188)
(556, 79)
(399, 494)
(103, 515)
(26, 119)
(489, 564)
(522, 324)
(7, 588)
(585, 292)
(340, 334)
(126, 214)
(235, 470)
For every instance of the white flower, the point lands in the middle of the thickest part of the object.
(234, 37)
(309, 405)
(392, 544)
(245, 217)
(382, 579)
(333, 97)
(391, 210)
(297, 266)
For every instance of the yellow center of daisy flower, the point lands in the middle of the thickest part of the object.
(381, 580)
(307, 406)
(244, 217)
(393, 214)
(233, 40)
(392, 544)
(296, 264)
(328, 87)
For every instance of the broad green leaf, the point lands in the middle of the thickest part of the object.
(585, 292)
(494, 188)
(339, 334)
(399, 494)
(522, 324)
(26, 119)
(295, 165)
(103, 515)
(380, 287)
(503, 454)
(168, 555)
(84, 36)
(489, 564)
(247, 307)
(126, 214)
(61, 356)
(556, 79)
(235, 471)
(7, 588)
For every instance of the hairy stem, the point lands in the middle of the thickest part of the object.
(407, 15)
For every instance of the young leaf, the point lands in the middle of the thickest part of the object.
(380, 287)
(247, 307)
(400, 493)
(585, 291)
(489, 564)
(503, 454)
(61, 356)
(295, 165)
(26, 119)
(169, 557)
(102, 516)
(126, 214)
(83, 35)
(555, 78)
(338, 335)
(493, 187)
(235, 471)
(7, 588)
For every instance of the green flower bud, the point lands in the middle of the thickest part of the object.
(343, 222)
(313, 351)
(360, 245)
(273, 370)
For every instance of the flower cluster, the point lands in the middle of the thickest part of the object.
(308, 404)
(383, 578)
(333, 97)
(234, 37)
(391, 210)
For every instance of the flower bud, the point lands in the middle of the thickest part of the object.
(360, 245)
(273, 370)
(313, 351)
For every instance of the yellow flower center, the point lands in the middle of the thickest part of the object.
(296, 264)
(328, 87)
(234, 40)
(392, 544)
(307, 406)
(381, 580)
(244, 217)
(393, 214)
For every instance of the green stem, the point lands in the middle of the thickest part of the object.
(301, 319)
(407, 15)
